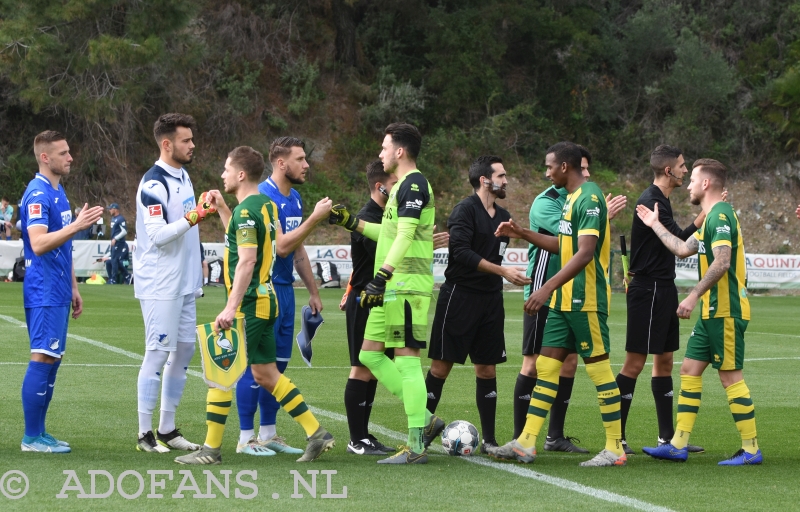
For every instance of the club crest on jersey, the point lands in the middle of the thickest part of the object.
(35, 211)
(163, 339)
(155, 211)
(223, 348)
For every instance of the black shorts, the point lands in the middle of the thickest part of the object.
(533, 331)
(653, 325)
(468, 323)
(356, 320)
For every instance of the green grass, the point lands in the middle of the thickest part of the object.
(95, 409)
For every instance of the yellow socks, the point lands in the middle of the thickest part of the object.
(744, 414)
(292, 402)
(609, 399)
(218, 405)
(688, 405)
(544, 393)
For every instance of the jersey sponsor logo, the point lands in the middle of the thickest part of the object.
(503, 246)
(743, 293)
(416, 204)
(724, 230)
(249, 224)
(188, 205)
(299, 206)
(155, 211)
(701, 247)
(593, 212)
(35, 211)
(66, 218)
(565, 227)
(293, 223)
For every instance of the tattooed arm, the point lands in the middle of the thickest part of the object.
(677, 246)
(717, 269)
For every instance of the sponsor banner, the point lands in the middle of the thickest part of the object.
(763, 270)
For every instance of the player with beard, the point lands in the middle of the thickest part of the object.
(167, 273)
(470, 314)
(289, 167)
(653, 325)
(50, 287)
(252, 239)
(400, 293)
(718, 335)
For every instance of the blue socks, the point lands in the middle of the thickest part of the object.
(247, 399)
(267, 403)
(35, 399)
(250, 396)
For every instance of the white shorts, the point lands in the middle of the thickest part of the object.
(169, 322)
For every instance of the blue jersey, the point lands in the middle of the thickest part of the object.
(48, 278)
(118, 226)
(290, 213)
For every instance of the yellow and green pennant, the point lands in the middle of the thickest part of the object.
(223, 353)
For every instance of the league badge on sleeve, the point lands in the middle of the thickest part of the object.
(308, 329)
(35, 211)
(223, 354)
(155, 211)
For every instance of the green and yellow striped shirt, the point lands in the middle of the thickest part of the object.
(585, 214)
(728, 297)
(253, 225)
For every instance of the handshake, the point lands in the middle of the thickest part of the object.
(204, 207)
(341, 216)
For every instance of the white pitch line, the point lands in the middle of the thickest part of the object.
(526, 473)
(515, 469)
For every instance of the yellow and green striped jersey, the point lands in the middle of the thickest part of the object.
(728, 297)
(411, 200)
(585, 214)
(253, 225)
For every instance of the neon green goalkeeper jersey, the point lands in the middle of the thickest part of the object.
(411, 200)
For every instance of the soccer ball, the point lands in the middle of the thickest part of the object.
(460, 438)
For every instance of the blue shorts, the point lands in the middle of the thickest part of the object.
(284, 327)
(47, 329)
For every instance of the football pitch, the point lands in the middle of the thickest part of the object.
(94, 408)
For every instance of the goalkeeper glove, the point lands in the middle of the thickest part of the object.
(372, 296)
(203, 208)
(342, 217)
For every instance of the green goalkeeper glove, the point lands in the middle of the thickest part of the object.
(200, 211)
(342, 217)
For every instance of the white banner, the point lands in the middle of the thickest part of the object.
(763, 270)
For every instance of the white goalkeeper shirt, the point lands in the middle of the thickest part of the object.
(166, 263)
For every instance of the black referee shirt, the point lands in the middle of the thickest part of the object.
(471, 240)
(362, 249)
(649, 256)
